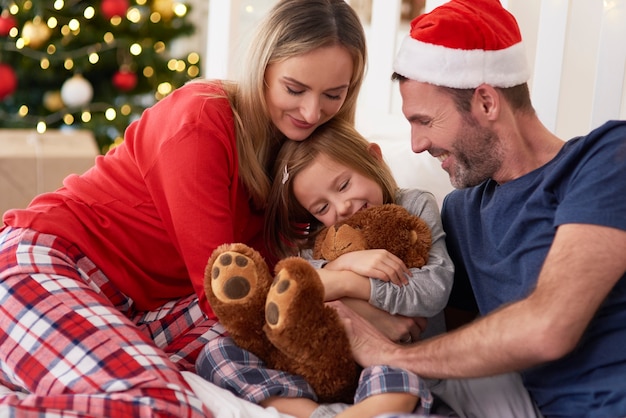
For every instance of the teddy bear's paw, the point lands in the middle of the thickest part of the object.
(279, 299)
(236, 278)
(308, 333)
(294, 303)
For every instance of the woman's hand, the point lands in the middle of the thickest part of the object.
(378, 264)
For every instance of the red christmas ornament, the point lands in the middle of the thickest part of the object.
(125, 80)
(7, 22)
(8, 81)
(112, 8)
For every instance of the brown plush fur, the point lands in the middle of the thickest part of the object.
(283, 319)
(389, 226)
(298, 333)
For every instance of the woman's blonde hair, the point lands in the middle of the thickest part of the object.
(291, 28)
(288, 225)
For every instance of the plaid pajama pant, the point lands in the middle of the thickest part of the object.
(71, 344)
(241, 372)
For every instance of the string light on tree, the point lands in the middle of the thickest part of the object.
(91, 65)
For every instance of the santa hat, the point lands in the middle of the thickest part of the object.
(462, 44)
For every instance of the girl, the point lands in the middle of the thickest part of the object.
(319, 182)
(101, 282)
(324, 181)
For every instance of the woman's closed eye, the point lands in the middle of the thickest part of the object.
(294, 92)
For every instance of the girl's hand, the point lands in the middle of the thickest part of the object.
(398, 328)
(344, 283)
(378, 264)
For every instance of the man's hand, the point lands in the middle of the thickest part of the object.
(368, 344)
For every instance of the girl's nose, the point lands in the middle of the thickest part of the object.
(344, 210)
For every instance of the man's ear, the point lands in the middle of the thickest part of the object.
(487, 101)
(374, 149)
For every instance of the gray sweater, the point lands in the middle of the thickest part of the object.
(429, 287)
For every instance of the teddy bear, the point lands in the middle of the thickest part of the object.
(282, 318)
(390, 227)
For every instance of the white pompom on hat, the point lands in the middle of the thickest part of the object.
(463, 44)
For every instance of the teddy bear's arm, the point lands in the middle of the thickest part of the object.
(429, 287)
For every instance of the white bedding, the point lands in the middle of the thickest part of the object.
(224, 404)
(221, 402)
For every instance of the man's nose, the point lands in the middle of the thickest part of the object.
(419, 143)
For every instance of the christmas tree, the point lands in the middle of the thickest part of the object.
(89, 64)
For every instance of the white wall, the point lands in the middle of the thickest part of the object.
(577, 49)
(578, 52)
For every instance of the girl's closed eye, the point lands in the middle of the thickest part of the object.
(321, 210)
(333, 96)
(344, 185)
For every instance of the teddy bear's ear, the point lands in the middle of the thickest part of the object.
(421, 241)
(319, 243)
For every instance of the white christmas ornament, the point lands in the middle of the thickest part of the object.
(76, 91)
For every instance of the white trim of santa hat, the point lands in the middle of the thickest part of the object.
(463, 44)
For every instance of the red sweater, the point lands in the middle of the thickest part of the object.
(152, 210)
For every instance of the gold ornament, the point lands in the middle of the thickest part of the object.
(52, 101)
(35, 33)
(164, 7)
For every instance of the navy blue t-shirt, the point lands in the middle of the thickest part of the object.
(499, 235)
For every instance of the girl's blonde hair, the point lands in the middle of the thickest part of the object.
(291, 28)
(288, 225)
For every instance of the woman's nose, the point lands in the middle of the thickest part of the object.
(310, 110)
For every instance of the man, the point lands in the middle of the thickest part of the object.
(537, 225)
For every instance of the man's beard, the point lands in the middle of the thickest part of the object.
(477, 152)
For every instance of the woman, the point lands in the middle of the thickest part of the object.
(98, 274)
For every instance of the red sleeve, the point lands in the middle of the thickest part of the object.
(192, 177)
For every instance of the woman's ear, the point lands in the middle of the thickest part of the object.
(374, 149)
